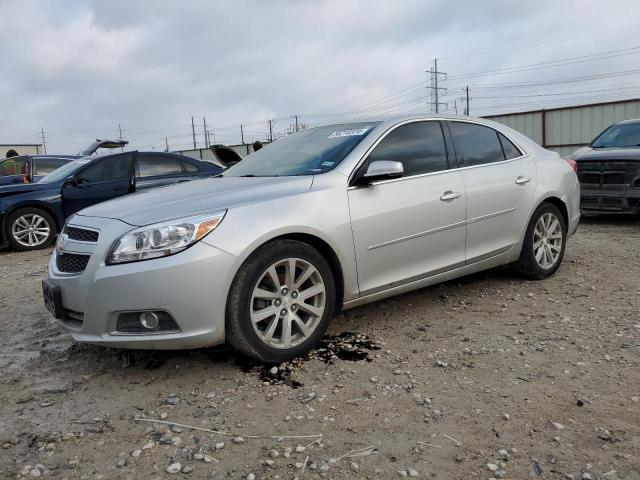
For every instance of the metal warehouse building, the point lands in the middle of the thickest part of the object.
(20, 148)
(566, 129)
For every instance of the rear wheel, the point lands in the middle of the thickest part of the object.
(281, 302)
(544, 243)
(30, 229)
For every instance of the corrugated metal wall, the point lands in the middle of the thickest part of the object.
(566, 129)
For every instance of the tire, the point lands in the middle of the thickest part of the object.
(257, 292)
(545, 265)
(41, 236)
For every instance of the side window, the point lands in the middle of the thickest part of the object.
(44, 166)
(475, 144)
(509, 149)
(188, 168)
(418, 146)
(150, 165)
(116, 167)
(12, 166)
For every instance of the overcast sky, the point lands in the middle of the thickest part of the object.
(79, 68)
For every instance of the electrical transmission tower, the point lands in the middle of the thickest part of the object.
(435, 90)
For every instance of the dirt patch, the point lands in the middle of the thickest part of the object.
(484, 377)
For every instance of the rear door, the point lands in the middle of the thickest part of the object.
(411, 227)
(103, 179)
(500, 181)
(155, 170)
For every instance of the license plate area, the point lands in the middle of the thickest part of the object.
(52, 296)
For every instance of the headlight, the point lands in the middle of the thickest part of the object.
(162, 239)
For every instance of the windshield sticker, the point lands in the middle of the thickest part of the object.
(327, 164)
(348, 133)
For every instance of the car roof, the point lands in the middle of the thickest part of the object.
(631, 120)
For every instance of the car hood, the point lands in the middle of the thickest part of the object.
(14, 189)
(199, 196)
(598, 154)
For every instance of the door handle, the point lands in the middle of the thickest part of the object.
(522, 180)
(449, 195)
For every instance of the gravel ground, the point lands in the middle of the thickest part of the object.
(489, 376)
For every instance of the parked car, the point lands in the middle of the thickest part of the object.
(30, 168)
(609, 170)
(31, 215)
(326, 219)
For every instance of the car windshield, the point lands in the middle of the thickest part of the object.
(308, 152)
(64, 171)
(621, 135)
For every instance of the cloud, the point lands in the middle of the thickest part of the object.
(80, 68)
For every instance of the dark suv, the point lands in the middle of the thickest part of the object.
(609, 170)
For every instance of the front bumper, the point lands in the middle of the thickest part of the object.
(610, 201)
(191, 286)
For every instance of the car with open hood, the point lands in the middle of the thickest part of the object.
(32, 214)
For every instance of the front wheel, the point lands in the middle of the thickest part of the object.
(30, 229)
(544, 243)
(281, 302)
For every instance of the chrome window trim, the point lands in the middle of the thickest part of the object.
(430, 119)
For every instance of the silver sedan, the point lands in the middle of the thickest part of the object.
(324, 220)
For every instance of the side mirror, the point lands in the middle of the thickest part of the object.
(383, 169)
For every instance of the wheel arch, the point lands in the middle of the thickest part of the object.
(557, 202)
(41, 206)
(323, 247)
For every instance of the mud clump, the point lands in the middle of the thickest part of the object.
(347, 346)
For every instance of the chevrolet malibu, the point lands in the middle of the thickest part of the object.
(327, 219)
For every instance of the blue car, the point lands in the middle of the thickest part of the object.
(30, 168)
(32, 214)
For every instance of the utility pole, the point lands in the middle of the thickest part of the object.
(166, 143)
(242, 134)
(212, 132)
(455, 106)
(193, 131)
(434, 89)
(120, 136)
(296, 123)
(206, 138)
(271, 130)
(467, 109)
(44, 144)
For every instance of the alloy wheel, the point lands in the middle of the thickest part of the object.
(30, 230)
(547, 240)
(288, 303)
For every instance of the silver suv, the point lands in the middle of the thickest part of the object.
(327, 219)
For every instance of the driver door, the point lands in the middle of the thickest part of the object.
(409, 228)
(101, 180)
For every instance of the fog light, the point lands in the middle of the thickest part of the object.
(146, 322)
(149, 320)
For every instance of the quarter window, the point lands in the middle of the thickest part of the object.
(158, 165)
(509, 149)
(418, 146)
(475, 144)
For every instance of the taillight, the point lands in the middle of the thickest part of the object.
(573, 164)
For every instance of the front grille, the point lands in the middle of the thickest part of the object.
(608, 174)
(71, 262)
(81, 234)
